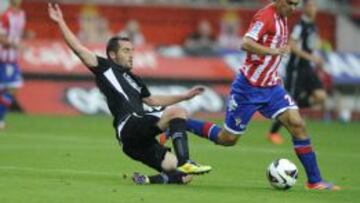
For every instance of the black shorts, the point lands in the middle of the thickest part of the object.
(302, 81)
(138, 138)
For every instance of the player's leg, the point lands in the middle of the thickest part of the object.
(292, 120)
(174, 119)
(10, 81)
(211, 131)
(200, 128)
(239, 110)
(237, 117)
(318, 97)
(203, 129)
(173, 177)
(313, 85)
(243, 102)
(6, 100)
(274, 135)
(158, 158)
(284, 108)
(169, 175)
(4, 103)
(137, 137)
(290, 84)
(317, 94)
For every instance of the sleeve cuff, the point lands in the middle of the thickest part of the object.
(251, 36)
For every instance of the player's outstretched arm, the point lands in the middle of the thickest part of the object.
(252, 46)
(303, 54)
(86, 56)
(159, 100)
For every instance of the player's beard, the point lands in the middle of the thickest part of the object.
(124, 65)
(127, 66)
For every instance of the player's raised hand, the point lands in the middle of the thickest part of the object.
(194, 92)
(55, 13)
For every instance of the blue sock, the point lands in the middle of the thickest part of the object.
(2, 112)
(5, 102)
(307, 157)
(202, 129)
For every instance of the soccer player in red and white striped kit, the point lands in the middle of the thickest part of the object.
(12, 25)
(258, 87)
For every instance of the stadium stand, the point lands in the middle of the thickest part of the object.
(165, 24)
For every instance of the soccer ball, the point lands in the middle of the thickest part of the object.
(282, 174)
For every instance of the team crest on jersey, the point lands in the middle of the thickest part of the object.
(132, 82)
(237, 121)
(232, 103)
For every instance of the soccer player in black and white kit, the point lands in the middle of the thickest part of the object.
(301, 81)
(135, 128)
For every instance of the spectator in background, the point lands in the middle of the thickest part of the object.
(103, 29)
(133, 32)
(94, 28)
(202, 41)
(12, 26)
(229, 36)
(4, 4)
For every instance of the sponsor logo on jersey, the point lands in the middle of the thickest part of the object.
(256, 28)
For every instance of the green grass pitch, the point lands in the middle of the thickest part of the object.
(77, 159)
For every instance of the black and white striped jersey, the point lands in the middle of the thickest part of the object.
(305, 33)
(123, 90)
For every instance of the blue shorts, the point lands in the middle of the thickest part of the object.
(245, 99)
(10, 75)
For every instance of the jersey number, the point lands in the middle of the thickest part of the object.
(289, 99)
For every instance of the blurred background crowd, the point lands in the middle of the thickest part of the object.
(200, 36)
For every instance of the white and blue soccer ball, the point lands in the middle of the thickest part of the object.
(282, 174)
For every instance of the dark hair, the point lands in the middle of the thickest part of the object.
(113, 44)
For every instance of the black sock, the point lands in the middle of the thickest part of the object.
(173, 177)
(178, 134)
(161, 178)
(275, 127)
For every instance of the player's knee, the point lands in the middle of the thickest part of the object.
(320, 96)
(170, 162)
(296, 123)
(176, 112)
(227, 139)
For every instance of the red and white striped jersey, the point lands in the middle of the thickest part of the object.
(12, 27)
(271, 30)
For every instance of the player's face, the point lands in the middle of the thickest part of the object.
(124, 56)
(287, 7)
(310, 9)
